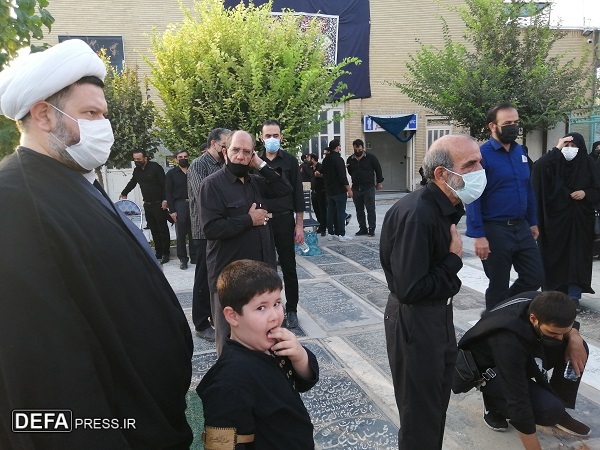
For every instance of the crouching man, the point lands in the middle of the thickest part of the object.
(521, 339)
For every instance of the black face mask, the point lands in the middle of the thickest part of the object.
(183, 162)
(547, 341)
(358, 153)
(239, 170)
(508, 133)
(139, 164)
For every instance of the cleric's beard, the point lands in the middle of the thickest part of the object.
(58, 140)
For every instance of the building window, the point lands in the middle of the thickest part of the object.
(330, 131)
(435, 132)
(112, 45)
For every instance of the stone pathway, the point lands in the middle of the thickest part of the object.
(342, 297)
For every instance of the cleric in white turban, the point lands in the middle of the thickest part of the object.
(37, 76)
(88, 322)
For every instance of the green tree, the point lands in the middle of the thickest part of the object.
(236, 68)
(505, 57)
(21, 21)
(131, 116)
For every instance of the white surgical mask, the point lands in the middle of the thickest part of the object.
(569, 152)
(272, 145)
(95, 140)
(475, 183)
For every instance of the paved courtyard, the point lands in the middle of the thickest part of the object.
(342, 298)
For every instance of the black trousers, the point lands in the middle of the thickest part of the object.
(156, 217)
(283, 235)
(548, 405)
(511, 245)
(365, 200)
(183, 227)
(319, 204)
(336, 214)
(421, 347)
(201, 308)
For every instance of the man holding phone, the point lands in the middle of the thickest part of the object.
(233, 217)
(521, 339)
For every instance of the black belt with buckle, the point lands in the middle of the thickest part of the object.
(512, 222)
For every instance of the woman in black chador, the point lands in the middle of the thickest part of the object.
(566, 191)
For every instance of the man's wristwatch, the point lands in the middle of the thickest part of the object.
(263, 164)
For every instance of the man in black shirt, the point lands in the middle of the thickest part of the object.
(179, 207)
(151, 178)
(318, 195)
(521, 339)
(364, 168)
(305, 168)
(337, 189)
(233, 215)
(286, 228)
(420, 254)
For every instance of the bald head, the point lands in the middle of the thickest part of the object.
(451, 153)
(445, 151)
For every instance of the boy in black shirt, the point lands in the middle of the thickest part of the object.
(251, 395)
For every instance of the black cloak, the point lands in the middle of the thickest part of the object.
(566, 226)
(88, 322)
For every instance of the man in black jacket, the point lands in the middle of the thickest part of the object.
(521, 339)
(337, 189)
(365, 170)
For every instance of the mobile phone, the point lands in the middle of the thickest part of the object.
(570, 372)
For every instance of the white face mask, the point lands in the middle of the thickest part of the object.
(95, 140)
(569, 152)
(475, 182)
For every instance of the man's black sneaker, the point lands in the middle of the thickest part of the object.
(291, 320)
(572, 426)
(361, 232)
(348, 219)
(371, 232)
(494, 420)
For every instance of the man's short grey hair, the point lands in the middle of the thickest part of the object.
(436, 156)
(216, 134)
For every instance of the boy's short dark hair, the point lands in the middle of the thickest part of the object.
(553, 308)
(242, 280)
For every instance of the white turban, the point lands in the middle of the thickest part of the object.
(37, 76)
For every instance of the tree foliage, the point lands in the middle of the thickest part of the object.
(236, 68)
(504, 58)
(131, 116)
(21, 21)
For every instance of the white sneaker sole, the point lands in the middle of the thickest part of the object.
(566, 430)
